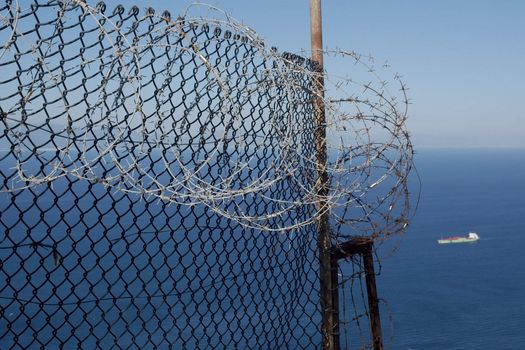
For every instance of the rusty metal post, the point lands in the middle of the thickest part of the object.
(329, 292)
(373, 305)
(316, 31)
(364, 247)
(334, 268)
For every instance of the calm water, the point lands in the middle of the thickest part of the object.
(466, 296)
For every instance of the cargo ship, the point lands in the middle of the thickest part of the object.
(471, 237)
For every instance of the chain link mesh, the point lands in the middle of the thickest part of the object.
(86, 265)
(159, 181)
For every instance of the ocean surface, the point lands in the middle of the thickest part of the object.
(462, 296)
(436, 297)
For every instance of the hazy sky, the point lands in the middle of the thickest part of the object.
(463, 60)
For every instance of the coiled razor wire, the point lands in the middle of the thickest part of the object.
(95, 108)
(197, 117)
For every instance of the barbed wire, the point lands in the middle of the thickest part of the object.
(201, 116)
(369, 150)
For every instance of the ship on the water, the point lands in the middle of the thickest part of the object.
(471, 237)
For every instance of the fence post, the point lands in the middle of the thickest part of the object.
(373, 304)
(327, 264)
(364, 247)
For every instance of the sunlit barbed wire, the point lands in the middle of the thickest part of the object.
(105, 105)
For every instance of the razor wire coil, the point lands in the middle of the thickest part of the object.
(146, 158)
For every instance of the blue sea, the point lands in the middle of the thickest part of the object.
(462, 296)
(446, 297)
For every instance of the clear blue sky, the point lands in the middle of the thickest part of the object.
(463, 60)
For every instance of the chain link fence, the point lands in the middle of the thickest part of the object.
(84, 265)
(159, 183)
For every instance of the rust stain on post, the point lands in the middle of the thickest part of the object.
(316, 31)
(329, 292)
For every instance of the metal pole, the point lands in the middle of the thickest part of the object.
(335, 335)
(327, 266)
(316, 31)
(373, 305)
